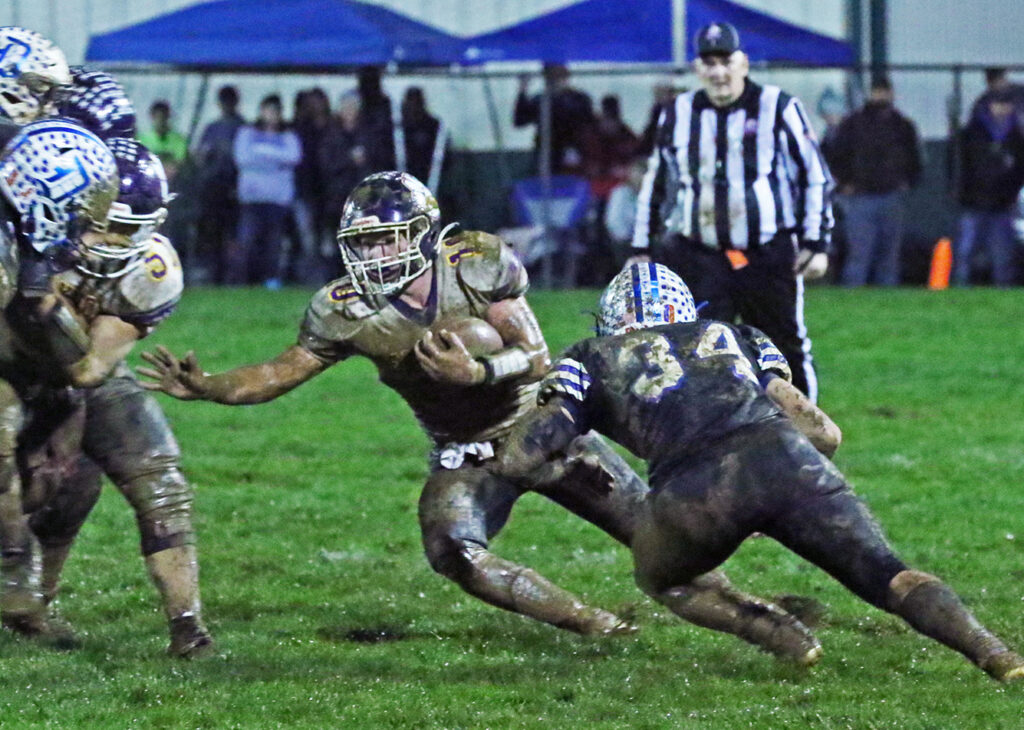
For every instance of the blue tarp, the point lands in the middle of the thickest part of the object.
(275, 35)
(640, 31)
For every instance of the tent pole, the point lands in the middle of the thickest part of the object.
(547, 265)
(197, 110)
(499, 142)
(679, 33)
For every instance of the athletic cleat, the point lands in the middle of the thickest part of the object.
(189, 638)
(784, 636)
(1004, 666)
(604, 623)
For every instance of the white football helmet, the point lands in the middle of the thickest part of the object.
(33, 75)
(60, 179)
(644, 295)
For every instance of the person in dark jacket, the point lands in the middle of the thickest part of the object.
(991, 175)
(572, 119)
(218, 183)
(875, 157)
(344, 159)
(419, 130)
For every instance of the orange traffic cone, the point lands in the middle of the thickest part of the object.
(942, 264)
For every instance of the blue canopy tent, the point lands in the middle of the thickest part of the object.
(642, 31)
(276, 35)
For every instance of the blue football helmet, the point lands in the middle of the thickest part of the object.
(60, 179)
(644, 295)
(98, 102)
(33, 75)
(392, 210)
(140, 208)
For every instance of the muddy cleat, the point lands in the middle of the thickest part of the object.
(782, 635)
(36, 625)
(189, 638)
(1004, 666)
(603, 623)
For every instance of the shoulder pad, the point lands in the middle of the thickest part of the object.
(486, 264)
(152, 289)
(341, 298)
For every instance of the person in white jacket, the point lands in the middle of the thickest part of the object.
(266, 154)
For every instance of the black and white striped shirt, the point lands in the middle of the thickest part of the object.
(736, 176)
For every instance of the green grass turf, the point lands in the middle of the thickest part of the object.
(307, 519)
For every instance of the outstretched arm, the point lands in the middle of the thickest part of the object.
(183, 378)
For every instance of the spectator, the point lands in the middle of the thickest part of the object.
(664, 95)
(743, 218)
(611, 150)
(163, 141)
(312, 119)
(991, 175)
(997, 82)
(376, 120)
(344, 160)
(420, 131)
(266, 155)
(620, 212)
(572, 119)
(217, 183)
(875, 156)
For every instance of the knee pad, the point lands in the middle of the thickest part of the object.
(163, 509)
(453, 557)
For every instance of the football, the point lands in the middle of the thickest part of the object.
(479, 337)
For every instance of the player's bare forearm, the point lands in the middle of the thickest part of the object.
(813, 422)
(516, 323)
(537, 437)
(246, 385)
(111, 339)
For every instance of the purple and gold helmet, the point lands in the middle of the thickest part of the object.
(388, 210)
(33, 73)
(641, 296)
(140, 208)
(98, 102)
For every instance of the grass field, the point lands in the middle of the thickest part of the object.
(307, 519)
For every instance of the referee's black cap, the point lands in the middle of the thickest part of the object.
(717, 39)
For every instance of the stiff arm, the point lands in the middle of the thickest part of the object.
(183, 378)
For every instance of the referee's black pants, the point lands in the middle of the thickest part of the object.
(763, 293)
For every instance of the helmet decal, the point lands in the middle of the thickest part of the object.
(32, 71)
(60, 179)
(644, 295)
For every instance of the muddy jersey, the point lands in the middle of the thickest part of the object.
(471, 271)
(662, 392)
(143, 297)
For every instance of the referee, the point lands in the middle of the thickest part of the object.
(736, 199)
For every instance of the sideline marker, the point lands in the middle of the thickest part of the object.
(942, 264)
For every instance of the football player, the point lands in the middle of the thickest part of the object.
(127, 434)
(688, 396)
(132, 275)
(33, 74)
(405, 275)
(57, 182)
